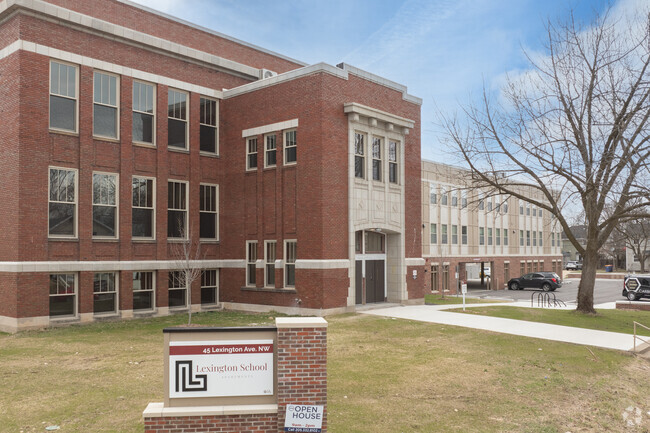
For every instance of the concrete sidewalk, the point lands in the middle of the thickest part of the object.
(567, 334)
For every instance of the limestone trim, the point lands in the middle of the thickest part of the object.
(322, 264)
(373, 113)
(112, 265)
(300, 322)
(157, 410)
(273, 127)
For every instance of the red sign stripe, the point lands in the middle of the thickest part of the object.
(221, 349)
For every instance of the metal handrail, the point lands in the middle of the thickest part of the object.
(544, 300)
(636, 336)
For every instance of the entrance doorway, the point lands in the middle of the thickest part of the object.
(370, 267)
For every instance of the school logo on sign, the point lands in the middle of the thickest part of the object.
(185, 382)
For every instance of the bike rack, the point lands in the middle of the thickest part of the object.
(544, 300)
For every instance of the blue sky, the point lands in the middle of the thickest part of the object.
(443, 50)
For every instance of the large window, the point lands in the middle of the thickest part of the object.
(177, 210)
(434, 234)
(177, 119)
(144, 120)
(359, 156)
(251, 153)
(463, 235)
(521, 238)
(105, 105)
(105, 201)
(489, 235)
(269, 263)
(497, 237)
(454, 197)
(209, 116)
(541, 243)
(443, 234)
(270, 154)
(209, 212)
(177, 290)
(444, 196)
(376, 159)
(454, 234)
(143, 210)
(63, 96)
(534, 238)
(290, 263)
(374, 243)
(143, 291)
(392, 162)
(62, 220)
(433, 193)
(505, 237)
(527, 238)
(290, 147)
(104, 293)
(251, 261)
(63, 295)
(209, 287)
(481, 235)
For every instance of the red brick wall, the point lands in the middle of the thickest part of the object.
(213, 424)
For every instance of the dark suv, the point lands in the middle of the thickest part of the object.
(546, 281)
(636, 287)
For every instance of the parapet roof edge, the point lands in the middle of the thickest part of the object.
(207, 30)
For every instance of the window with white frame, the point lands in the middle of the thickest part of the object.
(376, 159)
(105, 105)
(534, 238)
(454, 234)
(63, 295)
(497, 237)
(251, 153)
(444, 196)
(359, 156)
(454, 197)
(105, 199)
(527, 209)
(63, 96)
(143, 291)
(177, 117)
(541, 243)
(481, 202)
(251, 261)
(489, 204)
(540, 212)
(177, 209)
(505, 237)
(177, 293)
(393, 154)
(270, 151)
(434, 234)
(433, 194)
(143, 209)
(209, 287)
(527, 238)
(443, 234)
(481, 236)
(62, 221)
(463, 235)
(290, 255)
(208, 120)
(521, 207)
(489, 235)
(290, 147)
(521, 238)
(504, 208)
(552, 239)
(209, 211)
(463, 199)
(104, 293)
(269, 263)
(534, 211)
(144, 112)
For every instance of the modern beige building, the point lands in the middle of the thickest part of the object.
(480, 236)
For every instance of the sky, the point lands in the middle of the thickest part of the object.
(444, 51)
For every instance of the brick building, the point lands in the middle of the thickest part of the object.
(129, 134)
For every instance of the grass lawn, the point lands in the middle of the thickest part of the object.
(604, 320)
(432, 299)
(385, 375)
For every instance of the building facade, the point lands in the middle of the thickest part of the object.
(131, 138)
(473, 234)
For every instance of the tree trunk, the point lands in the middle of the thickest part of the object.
(189, 301)
(588, 281)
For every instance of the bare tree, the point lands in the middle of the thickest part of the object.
(637, 238)
(186, 254)
(574, 128)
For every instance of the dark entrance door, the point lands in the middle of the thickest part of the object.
(358, 282)
(374, 281)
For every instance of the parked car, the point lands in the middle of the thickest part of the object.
(573, 266)
(636, 287)
(546, 281)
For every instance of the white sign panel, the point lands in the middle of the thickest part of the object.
(220, 368)
(303, 418)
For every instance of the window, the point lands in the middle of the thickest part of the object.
(445, 278)
(489, 205)
(522, 268)
(534, 238)
(527, 238)
(105, 201)
(177, 210)
(143, 208)
(434, 234)
(143, 291)
(435, 285)
(454, 235)
(541, 244)
(521, 238)
(62, 220)
(481, 202)
(104, 293)
(444, 197)
(505, 237)
(463, 199)
(270, 153)
(359, 156)
(527, 209)
(489, 235)
(269, 260)
(463, 235)
(497, 237)
(209, 287)
(374, 243)
(105, 105)
(251, 153)
(454, 198)
(251, 260)
(552, 239)
(443, 234)
(534, 211)
(177, 290)
(376, 159)
(540, 212)
(392, 162)
(143, 113)
(481, 236)
(358, 241)
(209, 212)
(209, 132)
(433, 196)
(63, 295)
(63, 96)
(504, 208)
(177, 119)
(521, 207)
(290, 147)
(290, 255)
